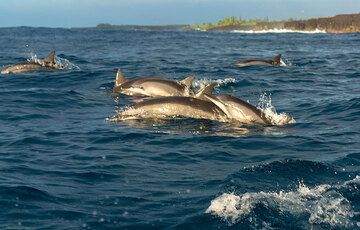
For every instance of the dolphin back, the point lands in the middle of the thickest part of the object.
(171, 107)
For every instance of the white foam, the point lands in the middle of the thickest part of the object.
(66, 63)
(323, 204)
(282, 63)
(201, 83)
(317, 31)
(269, 110)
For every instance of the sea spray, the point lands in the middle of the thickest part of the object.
(63, 62)
(323, 204)
(265, 105)
(201, 83)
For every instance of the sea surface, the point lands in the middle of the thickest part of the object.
(64, 166)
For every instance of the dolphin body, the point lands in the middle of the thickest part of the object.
(45, 64)
(234, 108)
(152, 86)
(172, 107)
(275, 61)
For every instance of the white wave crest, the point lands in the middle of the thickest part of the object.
(317, 31)
(201, 83)
(323, 204)
(269, 110)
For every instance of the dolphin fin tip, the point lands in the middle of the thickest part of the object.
(50, 58)
(119, 79)
(187, 81)
(207, 90)
(276, 59)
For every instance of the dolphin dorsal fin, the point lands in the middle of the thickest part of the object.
(187, 81)
(50, 58)
(207, 90)
(276, 59)
(119, 79)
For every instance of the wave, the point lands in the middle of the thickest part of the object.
(317, 31)
(322, 204)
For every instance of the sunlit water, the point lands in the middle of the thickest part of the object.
(63, 166)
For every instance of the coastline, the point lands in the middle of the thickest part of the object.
(344, 23)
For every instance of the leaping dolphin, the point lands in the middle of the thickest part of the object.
(235, 108)
(152, 86)
(172, 107)
(275, 61)
(47, 63)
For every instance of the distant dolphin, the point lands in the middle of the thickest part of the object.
(275, 61)
(172, 107)
(47, 63)
(152, 86)
(235, 108)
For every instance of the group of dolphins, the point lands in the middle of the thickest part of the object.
(169, 98)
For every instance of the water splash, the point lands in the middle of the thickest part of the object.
(323, 204)
(201, 83)
(67, 65)
(62, 62)
(269, 110)
(285, 62)
(33, 58)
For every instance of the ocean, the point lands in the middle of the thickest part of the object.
(64, 166)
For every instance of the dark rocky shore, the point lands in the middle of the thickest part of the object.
(345, 23)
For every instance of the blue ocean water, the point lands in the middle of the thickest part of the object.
(63, 166)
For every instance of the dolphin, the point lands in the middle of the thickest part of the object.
(172, 107)
(275, 61)
(152, 86)
(47, 63)
(235, 108)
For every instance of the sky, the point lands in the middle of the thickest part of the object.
(87, 13)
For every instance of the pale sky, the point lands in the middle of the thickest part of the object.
(85, 13)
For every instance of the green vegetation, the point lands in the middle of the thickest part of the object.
(229, 21)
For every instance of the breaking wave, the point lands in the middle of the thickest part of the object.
(317, 31)
(270, 112)
(322, 204)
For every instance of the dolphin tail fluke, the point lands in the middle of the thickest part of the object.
(207, 90)
(119, 79)
(277, 59)
(50, 58)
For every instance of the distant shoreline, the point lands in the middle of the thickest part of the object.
(345, 23)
